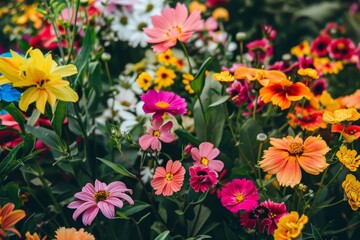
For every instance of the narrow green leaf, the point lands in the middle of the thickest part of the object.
(137, 207)
(198, 222)
(220, 101)
(59, 116)
(187, 137)
(163, 235)
(317, 235)
(83, 57)
(11, 156)
(117, 168)
(199, 80)
(14, 112)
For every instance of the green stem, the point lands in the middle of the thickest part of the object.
(137, 228)
(255, 106)
(331, 204)
(187, 56)
(72, 42)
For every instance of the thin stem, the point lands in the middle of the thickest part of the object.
(331, 204)
(72, 43)
(137, 228)
(196, 220)
(187, 56)
(255, 106)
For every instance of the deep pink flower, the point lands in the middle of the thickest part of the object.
(156, 134)
(319, 45)
(260, 49)
(202, 178)
(283, 66)
(318, 86)
(187, 149)
(265, 215)
(204, 156)
(163, 102)
(269, 32)
(250, 107)
(342, 48)
(332, 28)
(173, 24)
(239, 92)
(239, 194)
(306, 62)
(101, 196)
(213, 3)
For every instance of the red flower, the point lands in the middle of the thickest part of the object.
(350, 133)
(319, 45)
(260, 49)
(342, 48)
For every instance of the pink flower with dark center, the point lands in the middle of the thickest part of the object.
(318, 86)
(306, 62)
(239, 194)
(204, 156)
(342, 48)
(168, 180)
(101, 196)
(163, 102)
(156, 134)
(319, 45)
(260, 49)
(239, 92)
(202, 178)
(172, 25)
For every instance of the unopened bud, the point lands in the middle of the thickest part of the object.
(240, 36)
(286, 57)
(261, 137)
(105, 56)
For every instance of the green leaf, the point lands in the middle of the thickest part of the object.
(202, 214)
(220, 101)
(229, 234)
(187, 137)
(59, 116)
(47, 136)
(14, 112)
(163, 235)
(318, 12)
(248, 144)
(117, 168)
(199, 80)
(201, 198)
(10, 157)
(82, 59)
(137, 207)
(95, 75)
(315, 232)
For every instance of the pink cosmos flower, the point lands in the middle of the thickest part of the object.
(163, 102)
(239, 194)
(156, 134)
(172, 25)
(260, 49)
(204, 156)
(202, 178)
(342, 48)
(320, 45)
(168, 180)
(266, 215)
(101, 196)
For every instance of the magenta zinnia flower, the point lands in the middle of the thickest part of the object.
(204, 156)
(101, 196)
(163, 102)
(173, 24)
(342, 48)
(320, 45)
(202, 178)
(156, 134)
(239, 194)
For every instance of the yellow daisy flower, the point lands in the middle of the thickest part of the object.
(144, 81)
(187, 78)
(301, 50)
(164, 77)
(223, 76)
(349, 158)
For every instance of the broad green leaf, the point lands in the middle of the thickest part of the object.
(187, 137)
(229, 234)
(201, 215)
(47, 136)
(199, 80)
(14, 112)
(117, 168)
(137, 207)
(163, 235)
(220, 101)
(95, 75)
(10, 157)
(59, 116)
(248, 144)
(318, 12)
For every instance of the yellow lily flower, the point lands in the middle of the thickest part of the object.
(42, 76)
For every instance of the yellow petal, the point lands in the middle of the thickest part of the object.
(3, 80)
(41, 101)
(65, 71)
(51, 99)
(28, 97)
(64, 93)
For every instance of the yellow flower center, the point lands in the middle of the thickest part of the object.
(125, 103)
(42, 82)
(169, 177)
(162, 104)
(296, 149)
(174, 31)
(239, 197)
(101, 195)
(156, 133)
(260, 75)
(341, 46)
(204, 161)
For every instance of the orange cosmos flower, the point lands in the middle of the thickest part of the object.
(264, 77)
(168, 180)
(8, 218)
(284, 92)
(286, 155)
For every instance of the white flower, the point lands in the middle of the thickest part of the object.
(151, 7)
(124, 100)
(146, 174)
(120, 24)
(129, 120)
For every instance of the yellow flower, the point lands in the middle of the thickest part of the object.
(166, 58)
(300, 50)
(42, 76)
(195, 5)
(308, 72)
(290, 226)
(32, 14)
(328, 102)
(348, 158)
(144, 81)
(187, 78)
(352, 191)
(221, 13)
(341, 115)
(325, 66)
(223, 76)
(164, 77)
(34, 236)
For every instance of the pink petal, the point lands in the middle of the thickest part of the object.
(89, 215)
(166, 137)
(167, 126)
(83, 207)
(107, 209)
(99, 185)
(217, 165)
(195, 154)
(205, 148)
(145, 141)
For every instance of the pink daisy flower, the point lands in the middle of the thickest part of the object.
(101, 196)
(266, 215)
(239, 194)
(163, 102)
(156, 134)
(168, 180)
(202, 178)
(204, 156)
(173, 24)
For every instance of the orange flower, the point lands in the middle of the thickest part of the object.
(34, 236)
(168, 180)
(282, 93)
(264, 77)
(286, 155)
(63, 233)
(352, 100)
(8, 218)
(307, 118)
(350, 133)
